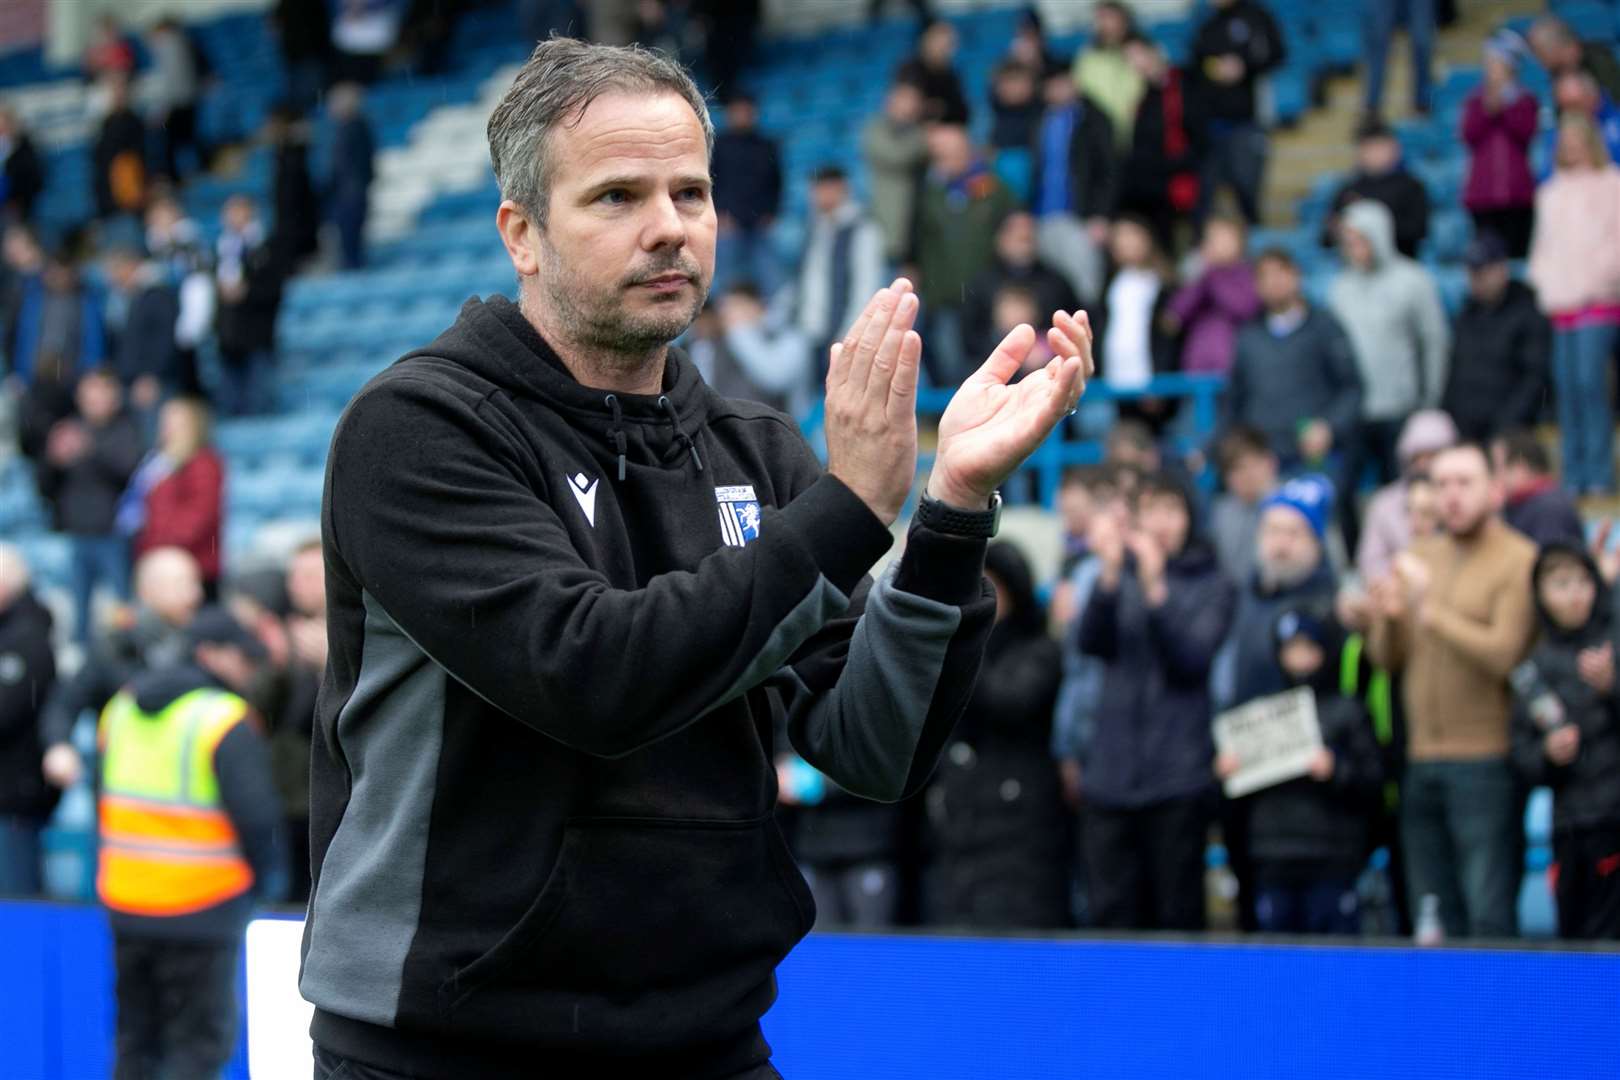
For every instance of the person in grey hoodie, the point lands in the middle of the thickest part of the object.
(1389, 306)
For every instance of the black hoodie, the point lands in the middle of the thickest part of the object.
(561, 621)
(27, 670)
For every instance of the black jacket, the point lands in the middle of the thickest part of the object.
(1586, 792)
(296, 233)
(747, 177)
(146, 344)
(24, 178)
(943, 99)
(1152, 729)
(121, 133)
(1051, 289)
(1403, 193)
(1247, 30)
(354, 153)
(249, 324)
(84, 496)
(1093, 169)
(1167, 142)
(1499, 362)
(560, 622)
(27, 671)
(1547, 516)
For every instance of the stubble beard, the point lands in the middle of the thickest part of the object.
(600, 322)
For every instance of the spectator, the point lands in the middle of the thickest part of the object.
(1422, 507)
(1565, 737)
(1309, 836)
(761, 355)
(1249, 474)
(1016, 264)
(110, 54)
(364, 32)
(353, 153)
(1104, 73)
(1207, 312)
(27, 671)
(296, 232)
(1560, 51)
(1294, 375)
(747, 192)
(1146, 772)
(119, 155)
(896, 154)
(172, 87)
(142, 315)
(293, 728)
(1499, 124)
(1014, 107)
(1379, 19)
(1132, 447)
(1232, 49)
(176, 244)
(848, 848)
(1074, 185)
(249, 279)
(1500, 345)
(1533, 503)
(175, 497)
(933, 71)
(168, 591)
(184, 774)
(88, 462)
(56, 327)
(1456, 617)
(22, 177)
(1577, 93)
(1130, 325)
(1077, 501)
(1386, 528)
(962, 206)
(996, 803)
(1381, 177)
(1159, 178)
(1575, 268)
(843, 261)
(304, 30)
(1391, 310)
(1029, 46)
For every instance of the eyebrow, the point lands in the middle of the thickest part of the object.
(629, 181)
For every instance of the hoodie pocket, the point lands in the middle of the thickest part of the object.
(638, 907)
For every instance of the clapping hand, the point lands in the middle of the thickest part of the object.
(1596, 667)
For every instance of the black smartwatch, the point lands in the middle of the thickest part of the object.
(951, 521)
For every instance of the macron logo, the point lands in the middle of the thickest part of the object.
(584, 490)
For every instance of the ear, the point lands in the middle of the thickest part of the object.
(521, 235)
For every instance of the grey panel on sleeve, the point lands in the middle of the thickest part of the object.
(820, 605)
(864, 732)
(364, 913)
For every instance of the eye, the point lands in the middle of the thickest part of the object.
(691, 194)
(614, 197)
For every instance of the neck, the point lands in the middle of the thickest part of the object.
(1473, 535)
(1286, 309)
(595, 367)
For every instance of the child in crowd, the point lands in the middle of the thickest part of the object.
(1134, 346)
(1308, 837)
(1208, 311)
(1566, 736)
(1249, 472)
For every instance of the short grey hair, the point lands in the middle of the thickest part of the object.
(558, 83)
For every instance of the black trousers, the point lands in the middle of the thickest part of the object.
(1588, 892)
(1145, 868)
(176, 1008)
(329, 1066)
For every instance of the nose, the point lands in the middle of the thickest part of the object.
(664, 227)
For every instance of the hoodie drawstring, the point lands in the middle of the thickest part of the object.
(616, 430)
(682, 439)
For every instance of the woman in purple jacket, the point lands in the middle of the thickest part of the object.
(1499, 123)
(1208, 310)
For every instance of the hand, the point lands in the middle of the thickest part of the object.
(1226, 765)
(1097, 230)
(1608, 561)
(785, 793)
(989, 427)
(1315, 440)
(62, 766)
(1390, 597)
(1322, 765)
(1596, 667)
(1069, 773)
(1150, 559)
(1413, 573)
(66, 443)
(1354, 609)
(1562, 744)
(1107, 540)
(308, 639)
(1229, 69)
(145, 392)
(872, 405)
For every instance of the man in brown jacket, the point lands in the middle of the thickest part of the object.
(1456, 616)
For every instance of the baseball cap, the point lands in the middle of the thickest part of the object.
(1486, 248)
(216, 626)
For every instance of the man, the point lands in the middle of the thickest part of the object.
(119, 154)
(168, 591)
(1164, 143)
(962, 204)
(172, 89)
(22, 176)
(56, 327)
(1382, 177)
(88, 461)
(188, 845)
(1294, 376)
(354, 152)
(1501, 348)
(1379, 19)
(143, 313)
(27, 670)
(1234, 48)
(568, 587)
(1249, 473)
(748, 192)
(933, 70)
(1558, 49)
(1016, 264)
(1103, 70)
(296, 235)
(1074, 178)
(1578, 91)
(1533, 502)
(896, 153)
(1456, 617)
(843, 260)
(249, 277)
(758, 354)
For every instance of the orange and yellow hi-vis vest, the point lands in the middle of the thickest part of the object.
(168, 847)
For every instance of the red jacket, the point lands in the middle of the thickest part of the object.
(185, 510)
(1499, 169)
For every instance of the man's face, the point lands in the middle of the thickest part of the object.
(97, 398)
(1568, 592)
(1487, 283)
(1075, 506)
(1288, 551)
(1108, 26)
(1357, 251)
(1251, 476)
(625, 258)
(939, 44)
(1277, 283)
(1575, 91)
(1463, 482)
(1376, 157)
(828, 195)
(741, 115)
(1164, 518)
(949, 148)
(904, 105)
(1015, 240)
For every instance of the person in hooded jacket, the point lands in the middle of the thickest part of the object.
(996, 804)
(1566, 736)
(27, 671)
(1501, 348)
(1308, 837)
(1156, 616)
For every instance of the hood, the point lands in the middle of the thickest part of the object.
(1008, 564)
(493, 340)
(154, 690)
(1374, 221)
(1602, 607)
(1425, 432)
(1314, 620)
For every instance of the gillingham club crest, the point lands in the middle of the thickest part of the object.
(739, 514)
